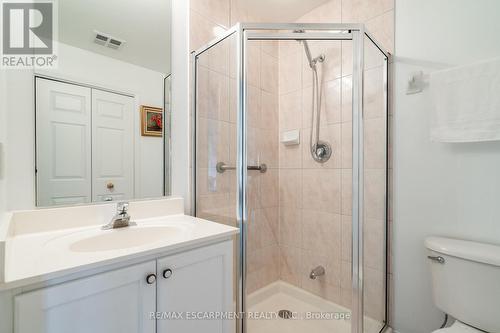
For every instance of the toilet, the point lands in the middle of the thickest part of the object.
(466, 283)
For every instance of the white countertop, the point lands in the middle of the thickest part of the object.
(45, 255)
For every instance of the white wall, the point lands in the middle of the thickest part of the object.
(3, 137)
(439, 189)
(85, 67)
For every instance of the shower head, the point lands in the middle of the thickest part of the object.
(308, 54)
(312, 61)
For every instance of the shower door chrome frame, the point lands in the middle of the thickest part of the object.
(245, 32)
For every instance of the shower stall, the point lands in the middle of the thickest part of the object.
(291, 146)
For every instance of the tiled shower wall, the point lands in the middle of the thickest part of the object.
(217, 111)
(299, 211)
(315, 199)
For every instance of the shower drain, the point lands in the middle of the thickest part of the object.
(285, 314)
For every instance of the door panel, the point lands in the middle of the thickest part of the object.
(201, 281)
(113, 146)
(63, 131)
(114, 302)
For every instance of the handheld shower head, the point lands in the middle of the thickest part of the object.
(320, 150)
(312, 61)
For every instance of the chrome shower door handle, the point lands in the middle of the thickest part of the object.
(222, 167)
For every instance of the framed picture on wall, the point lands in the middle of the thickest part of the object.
(151, 121)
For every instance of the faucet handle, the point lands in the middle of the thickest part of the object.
(122, 207)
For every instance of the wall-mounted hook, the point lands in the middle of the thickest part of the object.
(415, 83)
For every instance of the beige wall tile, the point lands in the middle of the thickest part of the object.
(374, 247)
(374, 297)
(290, 227)
(374, 200)
(254, 108)
(217, 11)
(330, 106)
(290, 73)
(331, 67)
(375, 143)
(346, 152)
(290, 269)
(346, 284)
(268, 146)
(290, 110)
(218, 57)
(382, 28)
(269, 111)
(291, 156)
(238, 14)
(321, 190)
(362, 10)
(346, 99)
(201, 30)
(288, 47)
(326, 13)
(269, 73)
(347, 58)
(254, 63)
(212, 182)
(346, 238)
(373, 94)
(271, 47)
(347, 191)
(253, 192)
(321, 233)
(213, 143)
(269, 188)
(291, 188)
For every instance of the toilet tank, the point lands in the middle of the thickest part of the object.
(466, 283)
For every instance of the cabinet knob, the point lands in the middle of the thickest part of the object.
(167, 273)
(150, 279)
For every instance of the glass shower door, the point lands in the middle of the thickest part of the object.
(215, 151)
(291, 147)
(299, 210)
(375, 188)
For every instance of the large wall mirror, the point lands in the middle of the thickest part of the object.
(102, 117)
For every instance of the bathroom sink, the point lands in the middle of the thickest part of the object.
(122, 238)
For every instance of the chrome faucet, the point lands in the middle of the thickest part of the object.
(121, 218)
(317, 272)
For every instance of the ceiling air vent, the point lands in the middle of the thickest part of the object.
(101, 39)
(107, 40)
(114, 43)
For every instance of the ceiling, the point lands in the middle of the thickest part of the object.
(279, 10)
(144, 25)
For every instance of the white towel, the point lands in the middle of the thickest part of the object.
(466, 103)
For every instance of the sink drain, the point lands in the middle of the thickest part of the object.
(285, 314)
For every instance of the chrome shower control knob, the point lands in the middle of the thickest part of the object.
(150, 279)
(167, 273)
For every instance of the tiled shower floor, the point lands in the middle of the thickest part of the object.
(280, 295)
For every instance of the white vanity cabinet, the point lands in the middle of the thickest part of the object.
(197, 284)
(136, 299)
(116, 301)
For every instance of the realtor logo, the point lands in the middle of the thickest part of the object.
(28, 34)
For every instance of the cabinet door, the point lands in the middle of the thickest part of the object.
(112, 146)
(63, 145)
(120, 301)
(201, 281)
